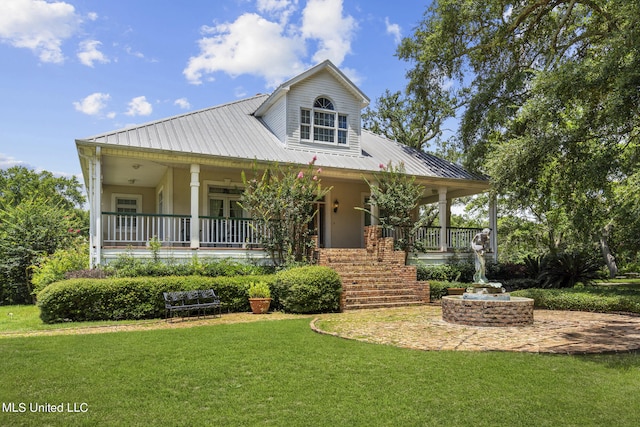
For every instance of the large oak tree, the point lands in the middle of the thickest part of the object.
(548, 97)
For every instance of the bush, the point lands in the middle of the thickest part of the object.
(584, 299)
(516, 284)
(53, 268)
(566, 269)
(438, 289)
(134, 298)
(311, 289)
(128, 266)
(439, 272)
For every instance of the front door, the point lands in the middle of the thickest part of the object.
(226, 213)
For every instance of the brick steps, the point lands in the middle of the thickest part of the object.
(375, 277)
(356, 306)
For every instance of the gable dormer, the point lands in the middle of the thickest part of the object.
(318, 110)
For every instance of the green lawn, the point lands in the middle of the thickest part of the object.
(281, 373)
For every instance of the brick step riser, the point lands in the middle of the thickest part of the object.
(380, 300)
(375, 282)
(372, 287)
(366, 294)
(384, 305)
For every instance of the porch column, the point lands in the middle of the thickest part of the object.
(443, 218)
(97, 209)
(493, 224)
(195, 206)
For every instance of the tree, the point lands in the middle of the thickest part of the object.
(19, 183)
(396, 196)
(405, 120)
(34, 228)
(283, 201)
(548, 97)
(39, 213)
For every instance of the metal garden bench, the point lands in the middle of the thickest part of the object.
(186, 302)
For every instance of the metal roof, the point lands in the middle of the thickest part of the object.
(232, 131)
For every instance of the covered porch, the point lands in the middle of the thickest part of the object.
(192, 207)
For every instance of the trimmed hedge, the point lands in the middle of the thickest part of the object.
(584, 299)
(310, 289)
(135, 298)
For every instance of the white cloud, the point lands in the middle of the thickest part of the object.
(279, 8)
(132, 52)
(273, 50)
(182, 103)
(139, 106)
(7, 162)
(92, 16)
(322, 20)
(89, 53)
(394, 30)
(250, 45)
(93, 104)
(39, 26)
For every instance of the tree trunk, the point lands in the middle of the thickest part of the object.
(609, 259)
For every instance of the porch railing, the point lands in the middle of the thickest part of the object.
(135, 229)
(428, 238)
(138, 229)
(229, 232)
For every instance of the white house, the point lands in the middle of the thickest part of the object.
(179, 179)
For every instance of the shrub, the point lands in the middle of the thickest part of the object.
(53, 268)
(584, 299)
(438, 289)
(566, 269)
(259, 290)
(310, 289)
(128, 266)
(134, 298)
(516, 284)
(439, 272)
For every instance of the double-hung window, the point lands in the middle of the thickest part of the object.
(323, 123)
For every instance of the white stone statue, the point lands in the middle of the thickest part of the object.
(480, 245)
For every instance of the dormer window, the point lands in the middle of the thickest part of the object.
(323, 124)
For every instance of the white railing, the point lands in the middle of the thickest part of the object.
(138, 229)
(121, 229)
(460, 238)
(428, 238)
(229, 232)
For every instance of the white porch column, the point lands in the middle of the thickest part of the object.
(493, 224)
(97, 208)
(443, 217)
(195, 206)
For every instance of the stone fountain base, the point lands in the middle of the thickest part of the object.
(488, 311)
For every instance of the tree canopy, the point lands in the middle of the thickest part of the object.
(548, 98)
(39, 213)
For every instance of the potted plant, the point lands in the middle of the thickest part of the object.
(259, 297)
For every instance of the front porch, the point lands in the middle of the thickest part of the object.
(239, 238)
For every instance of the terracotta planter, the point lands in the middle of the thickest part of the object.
(456, 291)
(259, 305)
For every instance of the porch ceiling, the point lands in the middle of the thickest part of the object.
(131, 172)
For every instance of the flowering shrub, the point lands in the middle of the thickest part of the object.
(396, 195)
(283, 200)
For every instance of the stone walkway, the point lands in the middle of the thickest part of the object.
(422, 328)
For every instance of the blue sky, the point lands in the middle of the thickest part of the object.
(76, 68)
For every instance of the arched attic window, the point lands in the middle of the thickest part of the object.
(323, 123)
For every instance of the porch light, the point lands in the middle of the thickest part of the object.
(336, 204)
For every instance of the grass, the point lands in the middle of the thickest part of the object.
(26, 318)
(281, 373)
